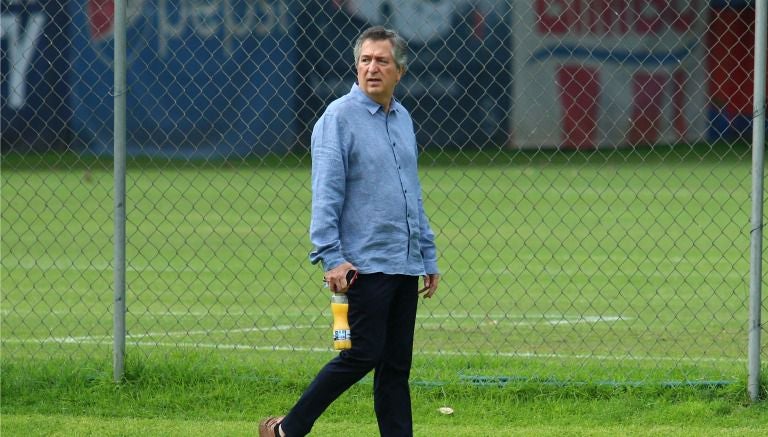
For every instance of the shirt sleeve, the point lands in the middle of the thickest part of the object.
(427, 237)
(328, 188)
(427, 241)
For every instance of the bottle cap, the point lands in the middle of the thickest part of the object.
(339, 298)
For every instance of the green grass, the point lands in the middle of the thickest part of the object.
(647, 261)
(586, 293)
(183, 394)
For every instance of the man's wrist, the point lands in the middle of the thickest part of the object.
(431, 268)
(332, 263)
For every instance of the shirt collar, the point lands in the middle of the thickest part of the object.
(368, 102)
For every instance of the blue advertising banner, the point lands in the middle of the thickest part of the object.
(457, 86)
(203, 77)
(33, 59)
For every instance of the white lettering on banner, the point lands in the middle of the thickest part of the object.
(22, 47)
(614, 17)
(417, 21)
(606, 73)
(208, 18)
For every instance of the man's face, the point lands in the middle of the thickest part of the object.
(377, 73)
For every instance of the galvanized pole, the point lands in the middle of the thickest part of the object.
(758, 164)
(120, 91)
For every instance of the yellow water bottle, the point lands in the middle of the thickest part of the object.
(342, 336)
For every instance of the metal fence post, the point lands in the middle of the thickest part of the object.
(758, 152)
(119, 177)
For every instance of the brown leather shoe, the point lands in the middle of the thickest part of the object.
(267, 426)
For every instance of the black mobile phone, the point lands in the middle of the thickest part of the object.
(351, 277)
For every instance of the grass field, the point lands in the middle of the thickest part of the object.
(587, 279)
(183, 394)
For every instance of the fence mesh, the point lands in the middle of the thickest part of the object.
(585, 166)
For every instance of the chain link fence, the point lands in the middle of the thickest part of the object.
(585, 165)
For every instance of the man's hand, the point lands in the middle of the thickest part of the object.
(337, 277)
(430, 285)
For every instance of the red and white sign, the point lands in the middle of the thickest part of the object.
(607, 73)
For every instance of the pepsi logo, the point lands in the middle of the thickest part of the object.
(101, 16)
(418, 21)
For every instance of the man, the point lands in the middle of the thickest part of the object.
(367, 215)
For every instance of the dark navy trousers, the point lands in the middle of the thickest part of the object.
(382, 317)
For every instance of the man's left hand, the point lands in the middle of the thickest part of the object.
(430, 285)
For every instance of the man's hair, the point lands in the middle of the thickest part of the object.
(380, 33)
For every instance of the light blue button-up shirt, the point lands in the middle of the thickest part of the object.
(366, 197)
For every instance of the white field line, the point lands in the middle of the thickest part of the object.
(487, 319)
(458, 315)
(104, 266)
(548, 319)
(221, 346)
(89, 339)
(325, 312)
(595, 271)
(553, 322)
(80, 266)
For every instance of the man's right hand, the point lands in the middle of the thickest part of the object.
(337, 277)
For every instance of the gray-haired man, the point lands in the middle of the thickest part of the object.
(367, 215)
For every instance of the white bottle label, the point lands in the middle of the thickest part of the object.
(341, 334)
